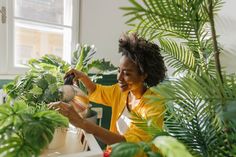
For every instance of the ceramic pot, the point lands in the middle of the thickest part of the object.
(59, 138)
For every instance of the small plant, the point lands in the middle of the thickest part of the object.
(82, 61)
(40, 83)
(27, 125)
(26, 130)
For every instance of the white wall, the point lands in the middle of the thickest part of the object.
(226, 29)
(101, 24)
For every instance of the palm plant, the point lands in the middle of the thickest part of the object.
(197, 104)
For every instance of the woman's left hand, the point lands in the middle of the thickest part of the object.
(68, 111)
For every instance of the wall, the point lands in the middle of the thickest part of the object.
(225, 27)
(101, 24)
(3, 82)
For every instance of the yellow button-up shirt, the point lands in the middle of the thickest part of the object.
(113, 97)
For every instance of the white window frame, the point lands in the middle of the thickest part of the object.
(7, 68)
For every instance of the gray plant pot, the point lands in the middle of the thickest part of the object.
(92, 116)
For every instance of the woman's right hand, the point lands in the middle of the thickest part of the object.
(68, 111)
(78, 74)
(89, 85)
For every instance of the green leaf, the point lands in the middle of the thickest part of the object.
(82, 56)
(38, 133)
(36, 90)
(125, 149)
(50, 78)
(15, 147)
(6, 109)
(54, 117)
(53, 88)
(8, 121)
(170, 147)
(42, 83)
(101, 65)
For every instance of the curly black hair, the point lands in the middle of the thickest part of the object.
(146, 55)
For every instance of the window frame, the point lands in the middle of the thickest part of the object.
(7, 67)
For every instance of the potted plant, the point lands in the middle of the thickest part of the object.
(26, 130)
(200, 102)
(82, 60)
(28, 96)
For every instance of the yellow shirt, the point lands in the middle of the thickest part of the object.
(113, 97)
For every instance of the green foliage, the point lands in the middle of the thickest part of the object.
(180, 27)
(82, 60)
(28, 125)
(25, 130)
(133, 149)
(148, 125)
(170, 147)
(126, 149)
(200, 106)
(40, 84)
(167, 145)
(193, 105)
(229, 116)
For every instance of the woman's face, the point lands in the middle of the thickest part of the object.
(128, 76)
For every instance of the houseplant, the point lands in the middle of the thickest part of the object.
(26, 130)
(29, 95)
(198, 102)
(82, 61)
(41, 82)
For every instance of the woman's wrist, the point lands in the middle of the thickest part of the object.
(81, 124)
(87, 126)
(82, 76)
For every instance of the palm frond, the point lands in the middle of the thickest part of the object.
(186, 21)
(192, 112)
(177, 56)
(148, 125)
(165, 16)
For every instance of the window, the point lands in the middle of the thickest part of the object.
(34, 28)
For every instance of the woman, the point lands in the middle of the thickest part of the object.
(141, 67)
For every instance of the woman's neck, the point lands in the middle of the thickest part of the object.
(138, 93)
